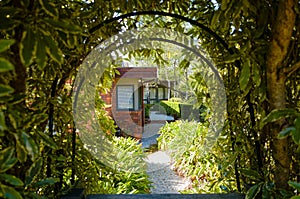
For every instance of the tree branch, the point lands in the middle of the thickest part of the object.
(161, 13)
(289, 71)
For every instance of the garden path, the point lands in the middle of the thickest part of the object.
(160, 172)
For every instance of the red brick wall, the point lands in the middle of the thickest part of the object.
(130, 122)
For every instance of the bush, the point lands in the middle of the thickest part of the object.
(98, 178)
(175, 99)
(147, 110)
(171, 108)
(207, 170)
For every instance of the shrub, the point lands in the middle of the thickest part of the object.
(147, 110)
(181, 110)
(175, 99)
(98, 178)
(171, 108)
(207, 170)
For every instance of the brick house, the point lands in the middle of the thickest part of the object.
(125, 102)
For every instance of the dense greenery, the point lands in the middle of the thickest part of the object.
(207, 170)
(255, 47)
(180, 110)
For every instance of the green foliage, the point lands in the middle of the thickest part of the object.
(96, 177)
(147, 110)
(44, 41)
(179, 109)
(208, 170)
(171, 108)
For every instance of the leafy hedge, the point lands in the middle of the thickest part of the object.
(171, 108)
(180, 110)
(207, 170)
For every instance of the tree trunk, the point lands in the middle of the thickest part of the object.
(281, 37)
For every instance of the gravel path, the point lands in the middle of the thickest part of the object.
(164, 179)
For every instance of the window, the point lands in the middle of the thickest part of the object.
(125, 97)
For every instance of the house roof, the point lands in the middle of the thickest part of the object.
(137, 72)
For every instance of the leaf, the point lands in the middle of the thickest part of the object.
(250, 173)
(63, 25)
(296, 133)
(13, 180)
(30, 146)
(215, 20)
(49, 8)
(2, 122)
(276, 114)
(253, 191)
(72, 40)
(53, 50)
(7, 159)
(41, 53)
(245, 75)
(5, 65)
(28, 47)
(5, 90)
(10, 193)
(285, 132)
(295, 185)
(5, 44)
(47, 140)
(8, 24)
(33, 171)
(46, 182)
(256, 75)
(21, 152)
(25, 3)
(295, 197)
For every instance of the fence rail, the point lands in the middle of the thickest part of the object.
(78, 194)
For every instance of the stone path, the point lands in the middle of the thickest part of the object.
(164, 179)
(150, 130)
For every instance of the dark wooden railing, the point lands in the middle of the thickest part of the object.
(78, 194)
